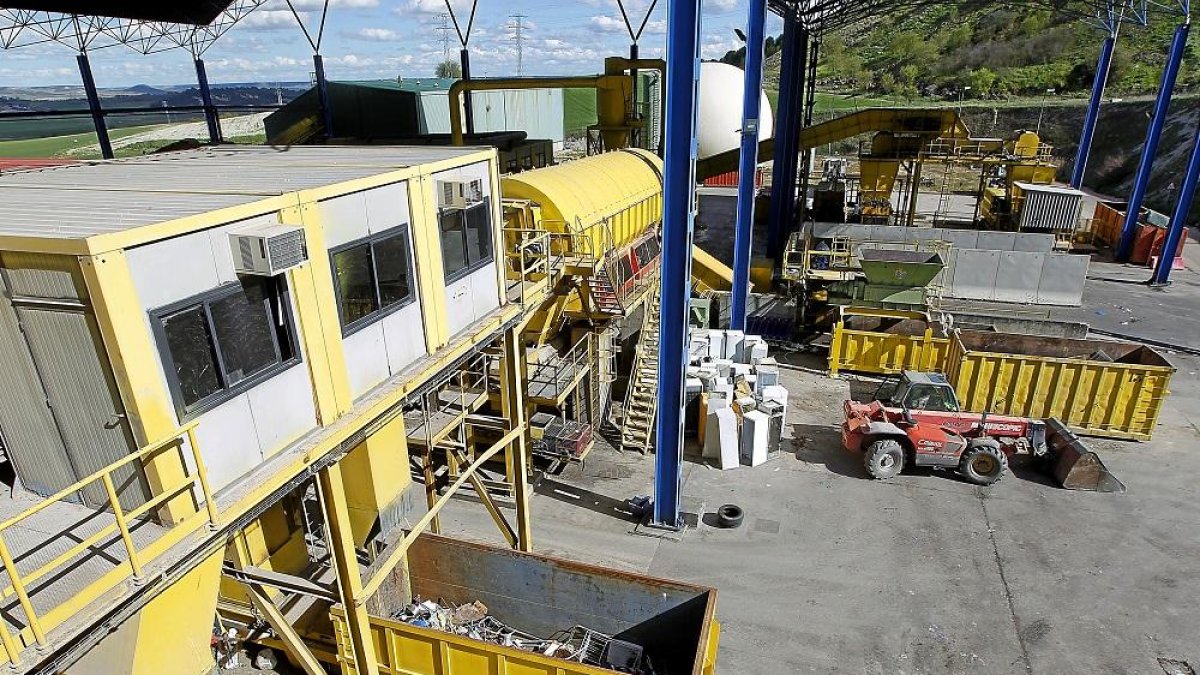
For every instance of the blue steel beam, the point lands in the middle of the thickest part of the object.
(323, 94)
(751, 101)
(787, 135)
(1093, 110)
(1162, 270)
(93, 98)
(679, 186)
(1150, 150)
(210, 111)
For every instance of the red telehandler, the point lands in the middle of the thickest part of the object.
(917, 421)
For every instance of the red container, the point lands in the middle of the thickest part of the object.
(1156, 251)
(731, 179)
(1148, 237)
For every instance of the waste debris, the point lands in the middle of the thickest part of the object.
(577, 643)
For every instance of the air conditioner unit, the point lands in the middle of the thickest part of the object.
(268, 250)
(459, 194)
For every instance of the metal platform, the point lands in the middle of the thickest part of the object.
(52, 532)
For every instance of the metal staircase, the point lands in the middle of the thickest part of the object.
(641, 396)
(604, 294)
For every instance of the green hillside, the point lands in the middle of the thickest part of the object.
(999, 52)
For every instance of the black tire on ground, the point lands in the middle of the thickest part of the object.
(730, 516)
(884, 458)
(984, 463)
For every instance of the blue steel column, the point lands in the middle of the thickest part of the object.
(755, 25)
(323, 95)
(93, 97)
(787, 132)
(1162, 270)
(1093, 111)
(210, 111)
(1150, 150)
(679, 191)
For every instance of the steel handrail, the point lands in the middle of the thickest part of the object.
(19, 583)
(576, 360)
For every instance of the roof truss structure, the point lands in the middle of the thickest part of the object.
(21, 27)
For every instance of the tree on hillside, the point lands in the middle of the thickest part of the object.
(737, 57)
(448, 69)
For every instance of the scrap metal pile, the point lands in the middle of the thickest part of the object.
(578, 643)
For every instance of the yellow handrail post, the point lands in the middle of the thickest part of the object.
(18, 587)
(10, 646)
(202, 476)
(119, 514)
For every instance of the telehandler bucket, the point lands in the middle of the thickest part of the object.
(1073, 465)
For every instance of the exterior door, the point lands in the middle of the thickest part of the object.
(63, 418)
(83, 399)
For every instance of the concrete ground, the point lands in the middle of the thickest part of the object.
(836, 573)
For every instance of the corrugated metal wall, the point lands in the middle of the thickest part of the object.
(537, 112)
(1049, 210)
(63, 419)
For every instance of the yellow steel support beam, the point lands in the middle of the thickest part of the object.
(427, 246)
(287, 634)
(512, 406)
(381, 569)
(480, 489)
(317, 314)
(133, 356)
(341, 548)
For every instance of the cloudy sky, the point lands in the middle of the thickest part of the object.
(385, 38)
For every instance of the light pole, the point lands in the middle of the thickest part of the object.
(1042, 111)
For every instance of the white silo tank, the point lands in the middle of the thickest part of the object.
(720, 120)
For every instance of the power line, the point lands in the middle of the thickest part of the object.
(518, 38)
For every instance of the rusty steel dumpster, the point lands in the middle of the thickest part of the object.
(672, 622)
(1096, 387)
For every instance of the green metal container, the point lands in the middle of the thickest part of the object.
(900, 269)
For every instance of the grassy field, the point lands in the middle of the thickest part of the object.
(57, 146)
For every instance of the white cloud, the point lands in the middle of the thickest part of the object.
(714, 47)
(376, 34)
(656, 27)
(721, 5)
(435, 7)
(271, 19)
(608, 24)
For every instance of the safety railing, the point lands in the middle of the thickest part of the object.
(194, 482)
(800, 257)
(449, 401)
(562, 371)
(529, 259)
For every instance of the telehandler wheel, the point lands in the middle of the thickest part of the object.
(884, 459)
(984, 463)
